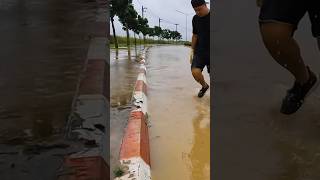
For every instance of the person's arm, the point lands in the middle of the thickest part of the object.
(194, 41)
(193, 45)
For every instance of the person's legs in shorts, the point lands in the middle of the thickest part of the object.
(197, 66)
(278, 22)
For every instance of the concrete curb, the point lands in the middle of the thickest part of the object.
(135, 149)
(87, 123)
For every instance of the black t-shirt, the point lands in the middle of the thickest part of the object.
(201, 27)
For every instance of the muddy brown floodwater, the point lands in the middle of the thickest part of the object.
(180, 121)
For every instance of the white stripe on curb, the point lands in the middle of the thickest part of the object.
(138, 169)
(140, 100)
(142, 77)
(143, 67)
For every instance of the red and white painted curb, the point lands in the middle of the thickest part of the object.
(88, 121)
(135, 149)
(140, 91)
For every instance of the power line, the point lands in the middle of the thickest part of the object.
(151, 14)
(155, 15)
(169, 22)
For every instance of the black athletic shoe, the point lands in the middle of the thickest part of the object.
(202, 91)
(295, 96)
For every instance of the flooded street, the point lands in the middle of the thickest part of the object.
(180, 121)
(253, 140)
(43, 48)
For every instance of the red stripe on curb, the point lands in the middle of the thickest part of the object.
(141, 86)
(136, 139)
(85, 168)
(94, 80)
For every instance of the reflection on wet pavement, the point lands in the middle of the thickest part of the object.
(200, 152)
(180, 121)
(123, 75)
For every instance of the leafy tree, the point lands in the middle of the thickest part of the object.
(116, 7)
(157, 31)
(143, 26)
(128, 18)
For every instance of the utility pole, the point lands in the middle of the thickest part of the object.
(143, 11)
(186, 22)
(159, 21)
(176, 30)
(159, 27)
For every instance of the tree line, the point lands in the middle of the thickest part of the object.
(131, 20)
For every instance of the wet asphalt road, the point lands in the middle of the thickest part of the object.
(43, 48)
(251, 139)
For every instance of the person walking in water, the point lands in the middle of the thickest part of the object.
(278, 21)
(200, 44)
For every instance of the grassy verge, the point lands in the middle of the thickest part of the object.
(122, 41)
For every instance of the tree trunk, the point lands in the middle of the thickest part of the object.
(128, 43)
(135, 43)
(114, 34)
(140, 42)
(128, 38)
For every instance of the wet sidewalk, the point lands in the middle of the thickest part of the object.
(180, 121)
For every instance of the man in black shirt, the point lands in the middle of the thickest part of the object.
(278, 21)
(200, 53)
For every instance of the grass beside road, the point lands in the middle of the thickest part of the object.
(122, 41)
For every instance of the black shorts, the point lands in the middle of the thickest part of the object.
(291, 11)
(200, 62)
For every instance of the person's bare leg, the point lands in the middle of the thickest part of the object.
(278, 39)
(197, 75)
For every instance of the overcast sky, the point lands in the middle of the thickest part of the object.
(166, 10)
